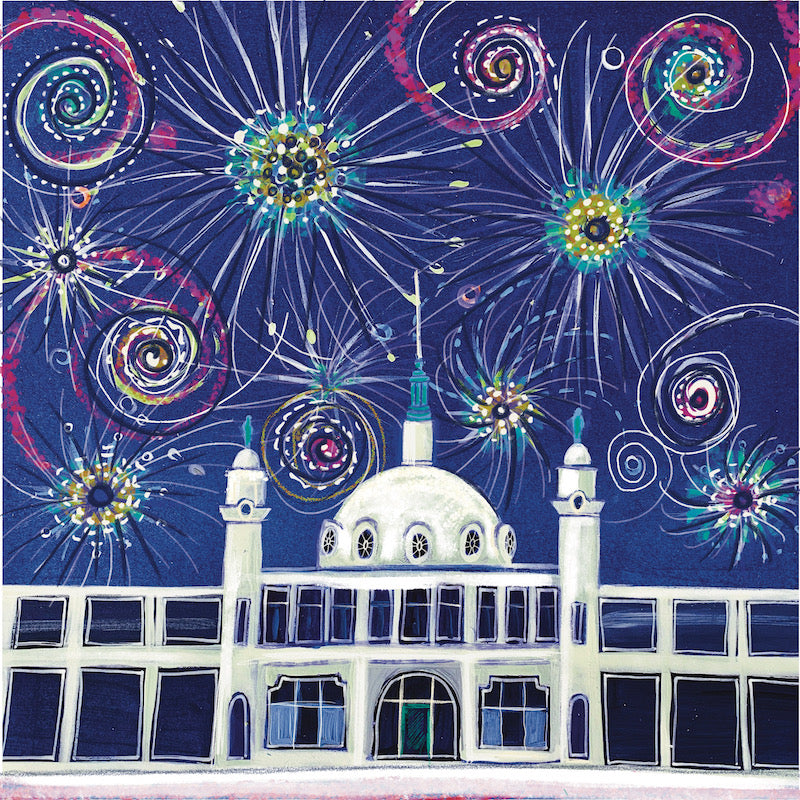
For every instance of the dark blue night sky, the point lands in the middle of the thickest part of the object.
(213, 215)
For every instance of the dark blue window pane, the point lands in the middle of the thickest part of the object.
(108, 724)
(309, 615)
(185, 716)
(192, 621)
(416, 612)
(513, 730)
(307, 726)
(276, 616)
(450, 614)
(308, 692)
(487, 615)
(546, 618)
(380, 615)
(705, 722)
(517, 615)
(443, 729)
(33, 716)
(388, 723)
(239, 729)
(630, 706)
(113, 621)
(40, 622)
(774, 723)
(579, 728)
(579, 623)
(627, 625)
(773, 629)
(700, 627)
(242, 619)
(342, 615)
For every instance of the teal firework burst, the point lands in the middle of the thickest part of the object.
(741, 496)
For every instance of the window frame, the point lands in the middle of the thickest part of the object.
(481, 590)
(286, 604)
(296, 680)
(240, 697)
(388, 637)
(323, 617)
(578, 624)
(768, 653)
(503, 679)
(653, 631)
(62, 673)
(173, 641)
(523, 639)
(140, 752)
(573, 701)
(241, 622)
(404, 605)
(726, 632)
(751, 708)
(64, 609)
(352, 605)
(654, 677)
(459, 638)
(556, 595)
(87, 622)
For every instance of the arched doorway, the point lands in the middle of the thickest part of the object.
(417, 718)
(239, 727)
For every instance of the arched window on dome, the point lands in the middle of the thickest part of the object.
(239, 728)
(418, 543)
(471, 540)
(365, 539)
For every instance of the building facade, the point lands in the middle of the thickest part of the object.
(417, 638)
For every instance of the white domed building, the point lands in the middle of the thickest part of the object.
(417, 638)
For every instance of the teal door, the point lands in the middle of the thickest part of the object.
(415, 730)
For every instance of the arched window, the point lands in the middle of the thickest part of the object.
(579, 726)
(417, 718)
(239, 728)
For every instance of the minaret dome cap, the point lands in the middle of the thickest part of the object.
(577, 456)
(247, 459)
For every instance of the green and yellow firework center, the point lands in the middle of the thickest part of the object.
(596, 226)
(101, 497)
(288, 169)
(501, 410)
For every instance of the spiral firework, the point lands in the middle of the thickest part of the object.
(317, 450)
(637, 460)
(157, 367)
(501, 61)
(82, 106)
(688, 71)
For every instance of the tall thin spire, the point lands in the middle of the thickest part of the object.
(418, 428)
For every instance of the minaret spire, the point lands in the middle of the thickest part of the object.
(418, 428)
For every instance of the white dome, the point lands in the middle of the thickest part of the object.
(415, 516)
(247, 459)
(577, 455)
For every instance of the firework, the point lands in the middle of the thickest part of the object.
(742, 495)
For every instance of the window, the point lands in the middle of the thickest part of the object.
(33, 714)
(40, 621)
(310, 608)
(417, 719)
(773, 629)
(416, 615)
(365, 542)
(343, 615)
(630, 709)
(472, 541)
(195, 621)
(506, 542)
(514, 714)
(628, 625)
(275, 620)
(450, 614)
(773, 722)
(109, 723)
(705, 722)
(547, 615)
(487, 614)
(516, 616)
(242, 620)
(579, 623)
(328, 541)
(380, 615)
(418, 543)
(701, 628)
(114, 620)
(306, 712)
(184, 716)
(239, 728)
(578, 726)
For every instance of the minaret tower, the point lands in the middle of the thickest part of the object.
(418, 427)
(244, 512)
(579, 565)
